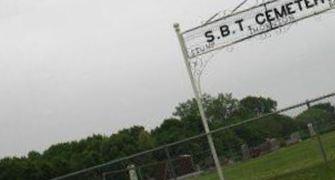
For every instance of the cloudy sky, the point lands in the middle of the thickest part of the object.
(72, 68)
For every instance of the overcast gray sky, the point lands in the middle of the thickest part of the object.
(71, 68)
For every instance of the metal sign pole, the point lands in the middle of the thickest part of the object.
(199, 102)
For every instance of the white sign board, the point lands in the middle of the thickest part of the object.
(249, 23)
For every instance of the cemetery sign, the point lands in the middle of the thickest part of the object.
(249, 23)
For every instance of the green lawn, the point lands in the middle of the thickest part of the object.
(301, 161)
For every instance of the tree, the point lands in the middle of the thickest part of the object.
(34, 155)
(219, 111)
(322, 117)
(170, 131)
(221, 108)
(258, 104)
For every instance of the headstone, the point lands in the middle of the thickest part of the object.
(132, 172)
(295, 138)
(245, 152)
(161, 171)
(184, 165)
(265, 147)
(274, 144)
(311, 129)
(255, 152)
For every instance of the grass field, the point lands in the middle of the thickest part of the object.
(301, 161)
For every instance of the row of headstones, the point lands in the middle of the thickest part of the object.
(183, 165)
(272, 144)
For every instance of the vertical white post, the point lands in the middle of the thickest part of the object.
(198, 97)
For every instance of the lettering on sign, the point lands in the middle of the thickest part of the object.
(249, 23)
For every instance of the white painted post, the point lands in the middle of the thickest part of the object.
(198, 97)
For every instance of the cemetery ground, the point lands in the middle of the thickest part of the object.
(300, 161)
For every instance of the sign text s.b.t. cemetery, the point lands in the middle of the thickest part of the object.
(251, 22)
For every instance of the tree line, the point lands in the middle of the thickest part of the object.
(222, 110)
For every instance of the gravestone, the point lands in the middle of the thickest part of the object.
(311, 129)
(274, 144)
(184, 165)
(132, 172)
(295, 138)
(245, 152)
